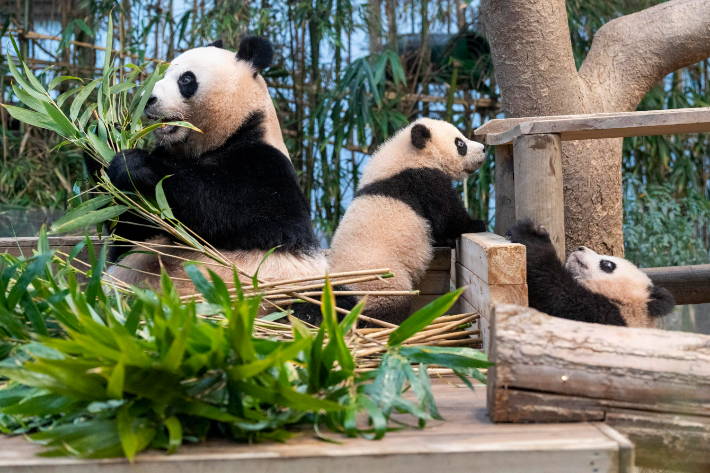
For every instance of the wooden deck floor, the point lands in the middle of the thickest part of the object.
(466, 442)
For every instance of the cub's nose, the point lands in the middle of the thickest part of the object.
(151, 100)
(581, 248)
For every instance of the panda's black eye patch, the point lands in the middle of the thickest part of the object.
(607, 266)
(187, 83)
(461, 147)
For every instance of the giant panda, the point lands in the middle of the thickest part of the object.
(405, 205)
(232, 184)
(590, 287)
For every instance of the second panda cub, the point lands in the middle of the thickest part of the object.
(590, 287)
(405, 205)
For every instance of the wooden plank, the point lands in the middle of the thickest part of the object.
(598, 126)
(539, 196)
(481, 296)
(31, 242)
(504, 189)
(492, 258)
(435, 282)
(688, 284)
(467, 442)
(442, 259)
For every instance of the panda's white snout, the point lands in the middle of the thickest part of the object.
(474, 157)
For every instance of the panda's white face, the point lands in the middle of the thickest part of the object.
(613, 277)
(191, 81)
(215, 90)
(456, 155)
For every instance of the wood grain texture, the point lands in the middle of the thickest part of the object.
(492, 258)
(435, 282)
(481, 296)
(467, 442)
(688, 284)
(540, 194)
(648, 384)
(504, 189)
(603, 125)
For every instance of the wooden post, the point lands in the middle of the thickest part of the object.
(505, 189)
(538, 188)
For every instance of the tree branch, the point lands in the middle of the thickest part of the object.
(630, 54)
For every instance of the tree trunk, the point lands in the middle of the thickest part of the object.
(536, 73)
(374, 25)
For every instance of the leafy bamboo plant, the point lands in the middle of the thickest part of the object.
(101, 128)
(92, 373)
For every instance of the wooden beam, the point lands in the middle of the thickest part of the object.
(504, 189)
(539, 193)
(598, 126)
(688, 284)
(648, 384)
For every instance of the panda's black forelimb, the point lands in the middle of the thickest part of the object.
(552, 289)
(243, 195)
(430, 193)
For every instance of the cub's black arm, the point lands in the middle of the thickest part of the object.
(551, 288)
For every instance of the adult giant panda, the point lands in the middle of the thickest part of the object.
(406, 204)
(591, 287)
(233, 184)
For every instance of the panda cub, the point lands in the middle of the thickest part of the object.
(233, 184)
(591, 287)
(406, 204)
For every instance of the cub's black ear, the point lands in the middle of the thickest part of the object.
(216, 44)
(256, 50)
(661, 303)
(420, 135)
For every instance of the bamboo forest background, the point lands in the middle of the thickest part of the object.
(347, 75)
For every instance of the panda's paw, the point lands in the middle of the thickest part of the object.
(528, 233)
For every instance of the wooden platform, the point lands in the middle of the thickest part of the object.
(466, 442)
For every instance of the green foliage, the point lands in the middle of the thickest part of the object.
(91, 372)
(661, 227)
(109, 124)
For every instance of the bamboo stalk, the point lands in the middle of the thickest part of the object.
(35, 36)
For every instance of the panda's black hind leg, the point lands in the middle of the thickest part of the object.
(311, 313)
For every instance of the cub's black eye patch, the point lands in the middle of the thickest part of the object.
(607, 266)
(187, 83)
(461, 147)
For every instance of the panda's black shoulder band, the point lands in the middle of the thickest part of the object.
(257, 50)
(217, 44)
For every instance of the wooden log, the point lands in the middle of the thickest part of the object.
(603, 125)
(538, 190)
(646, 383)
(688, 284)
(504, 189)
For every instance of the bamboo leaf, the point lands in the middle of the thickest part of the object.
(62, 122)
(81, 98)
(58, 80)
(91, 218)
(423, 317)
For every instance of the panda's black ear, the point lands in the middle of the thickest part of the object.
(661, 302)
(420, 135)
(216, 44)
(256, 50)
